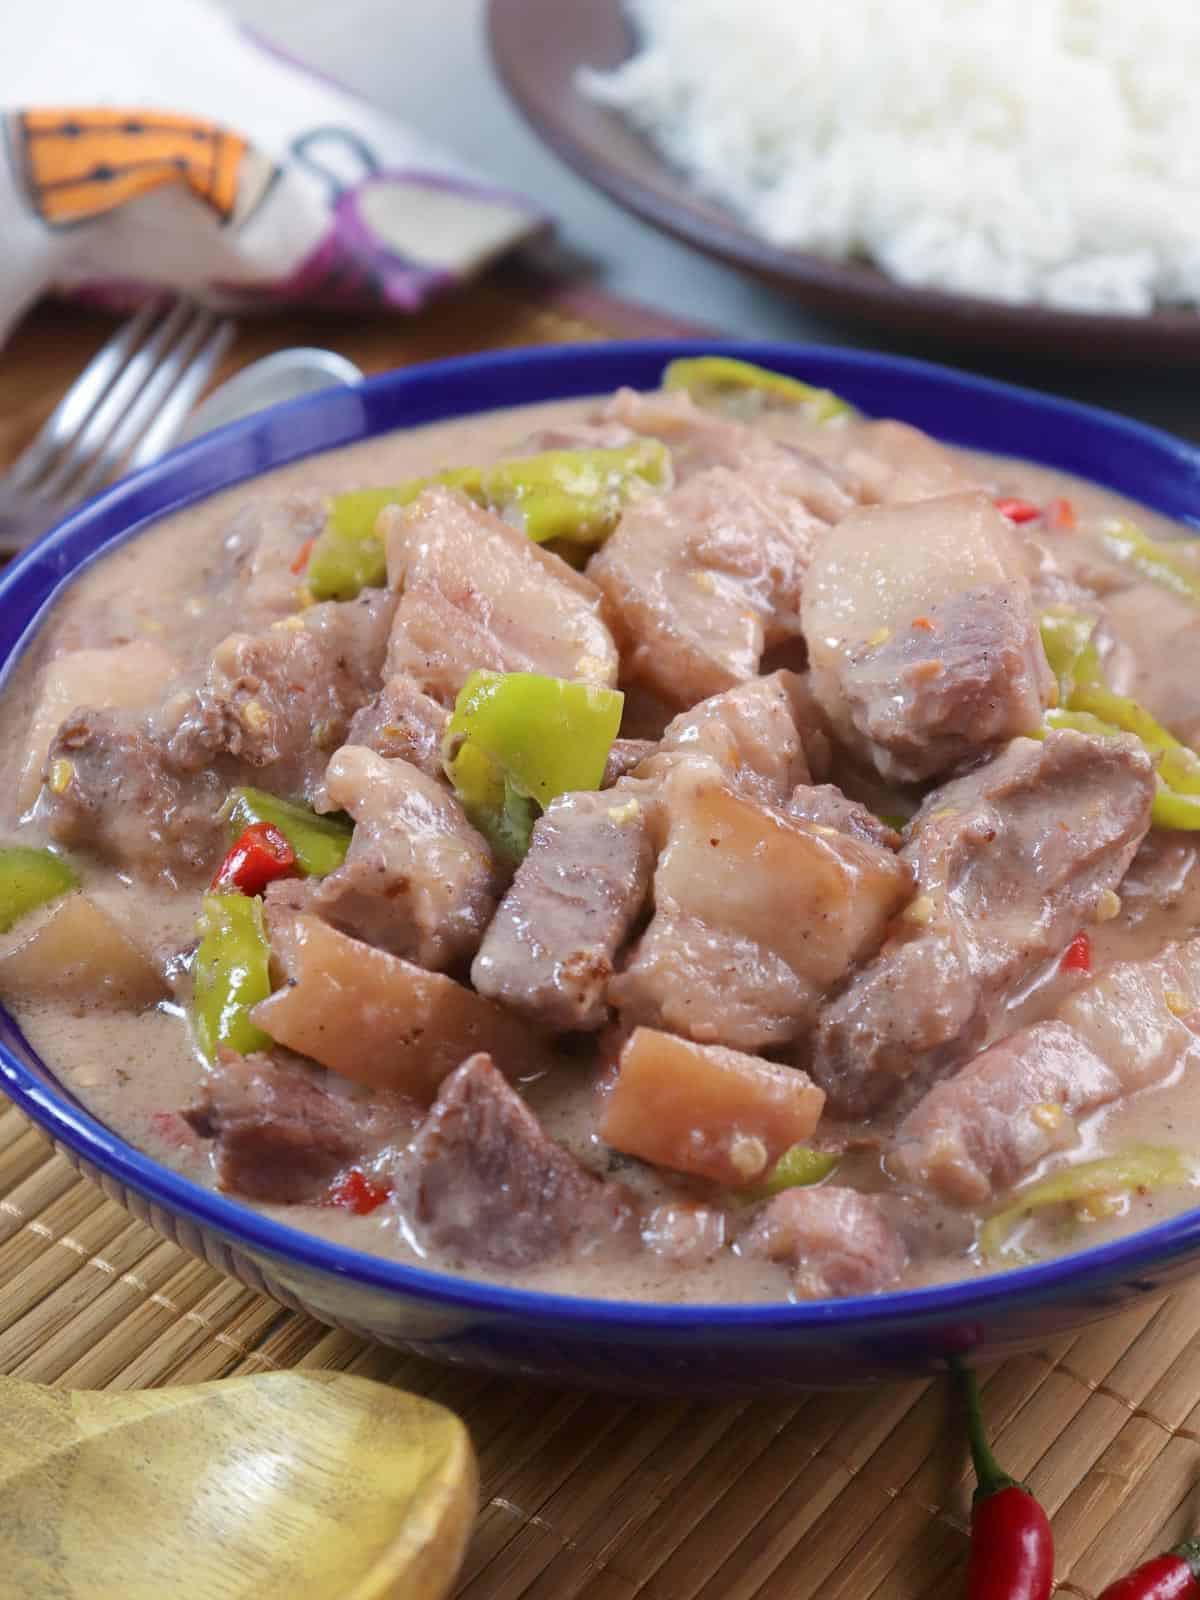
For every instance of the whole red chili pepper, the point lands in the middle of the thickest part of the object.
(261, 855)
(1173, 1576)
(1012, 1546)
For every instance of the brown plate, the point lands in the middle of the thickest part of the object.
(538, 47)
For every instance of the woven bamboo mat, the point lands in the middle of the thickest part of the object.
(843, 1496)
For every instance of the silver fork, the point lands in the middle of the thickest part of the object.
(123, 411)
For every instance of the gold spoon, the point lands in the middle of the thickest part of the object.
(305, 1484)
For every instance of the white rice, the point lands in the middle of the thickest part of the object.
(1027, 150)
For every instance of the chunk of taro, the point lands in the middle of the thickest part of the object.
(750, 731)
(1011, 862)
(476, 593)
(377, 1019)
(127, 677)
(485, 1184)
(699, 439)
(418, 880)
(283, 698)
(922, 635)
(122, 800)
(705, 1110)
(836, 1241)
(276, 531)
(402, 723)
(826, 805)
(757, 915)
(975, 1134)
(281, 1135)
(80, 955)
(550, 949)
(703, 579)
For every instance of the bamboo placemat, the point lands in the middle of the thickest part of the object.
(845, 1496)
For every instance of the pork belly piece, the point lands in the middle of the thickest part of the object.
(624, 757)
(976, 1134)
(922, 635)
(417, 880)
(1011, 862)
(705, 1110)
(281, 1134)
(114, 792)
(126, 677)
(486, 1186)
(826, 805)
(886, 462)
(839, 1241)
(402, 723)
(756, 915)
(703, 579)
(836, 1241)
(377, 1019)
(751, 731)
(551, 947)
(476, 593)
(700, 439)
(278, 701)
(1155, 632)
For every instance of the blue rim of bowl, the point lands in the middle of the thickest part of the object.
(1089, 441)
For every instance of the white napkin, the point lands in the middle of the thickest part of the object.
(158, 144)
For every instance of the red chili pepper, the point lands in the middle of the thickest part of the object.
(1173, 1576)
(1060, 515)
(302, 555)
(1077, 957)
(1012, 1545)
(358, 1193)
(1018, 510)
(260, 855)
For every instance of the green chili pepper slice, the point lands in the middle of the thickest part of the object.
(1156, 561)
(575, 495)
(517, 737)
(797, 1168)
(319, 843)
(1142, 1166)
(231, 974)
(739, 386)
(30, 878)
(1073, 658)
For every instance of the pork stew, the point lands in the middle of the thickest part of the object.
(693, 845)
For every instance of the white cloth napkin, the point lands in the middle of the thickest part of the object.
(158, 144)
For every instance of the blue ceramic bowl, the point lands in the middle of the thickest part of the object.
(656, 1348)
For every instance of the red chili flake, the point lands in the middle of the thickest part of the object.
(1077, 957)
(356, 1192)
(1018, 510)
(926, 624)
(1060, 515)
(261, 854)
(302, 555)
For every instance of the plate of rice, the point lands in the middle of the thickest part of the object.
(990, 171)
